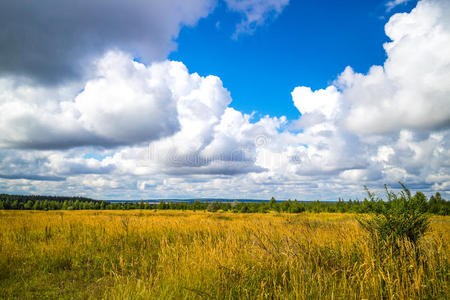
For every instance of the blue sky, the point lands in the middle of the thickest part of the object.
(224, 98)
(309, 43)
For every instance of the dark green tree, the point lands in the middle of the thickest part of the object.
(213, 206)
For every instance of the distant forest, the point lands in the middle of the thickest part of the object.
(435, 204)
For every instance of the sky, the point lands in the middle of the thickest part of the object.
(307, 100)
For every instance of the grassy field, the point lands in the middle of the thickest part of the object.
(174, 254)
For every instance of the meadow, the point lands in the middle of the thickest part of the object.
(148, 254)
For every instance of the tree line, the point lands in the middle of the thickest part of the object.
(435, 204)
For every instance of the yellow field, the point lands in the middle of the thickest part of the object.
(173, 254)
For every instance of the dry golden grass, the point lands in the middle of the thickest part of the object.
(175, 254)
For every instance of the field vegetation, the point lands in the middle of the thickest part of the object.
(151, 254)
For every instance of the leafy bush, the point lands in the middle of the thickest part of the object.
(403, 217)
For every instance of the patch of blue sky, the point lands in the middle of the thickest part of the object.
(309, 44)
(97, 156)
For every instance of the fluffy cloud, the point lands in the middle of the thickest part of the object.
(50, 40)
(128, 102)
(225, 144)
(165, 119)
(125, 103)
(411, 90)
(392, 123)
(255, 13)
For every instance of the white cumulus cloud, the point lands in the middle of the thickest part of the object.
(411, 90)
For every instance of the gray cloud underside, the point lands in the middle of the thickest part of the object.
(33, 177)
(51, 40)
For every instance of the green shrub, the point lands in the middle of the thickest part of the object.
(402, 217)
